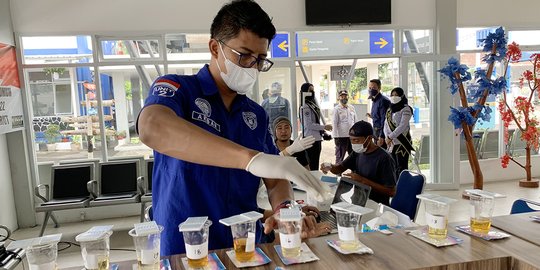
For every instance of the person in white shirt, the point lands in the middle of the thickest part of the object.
(344, 119)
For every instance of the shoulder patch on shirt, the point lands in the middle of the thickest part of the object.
(165, 88)
(250, 119)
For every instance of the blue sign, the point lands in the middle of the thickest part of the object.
(381, 42)
(280, 46)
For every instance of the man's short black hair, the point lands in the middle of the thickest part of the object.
(361, 129)
(377, 82)
(238, 15)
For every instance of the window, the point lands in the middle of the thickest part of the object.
(417, 41)
(57, 50)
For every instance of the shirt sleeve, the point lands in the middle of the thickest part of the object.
(335, 122)
(167, 91)
(403, 124)
(386, 128)
(309, 119)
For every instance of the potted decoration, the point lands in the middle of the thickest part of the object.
(51, 134)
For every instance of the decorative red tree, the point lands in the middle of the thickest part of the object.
(522, 114)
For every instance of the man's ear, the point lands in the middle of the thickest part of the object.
(213, 45)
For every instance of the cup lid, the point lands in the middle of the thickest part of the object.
(95, 233)
(290, 214)
(435, 198)
(38, 241)
(194, 224)
(242, 218)
(146, 228)
(351, 208)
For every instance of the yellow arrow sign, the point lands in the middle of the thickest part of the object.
(382, 42)
(283, 45)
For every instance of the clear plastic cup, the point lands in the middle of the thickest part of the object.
(244, 240)
(347, 223)
(197, 246)
(481, 213)
(437, 219)
(147, 248)
(289, 236)
(42, 257)
(95, 253)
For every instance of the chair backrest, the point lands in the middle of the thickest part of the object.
(69, 181)
(489, 147)
(408, 186)
(129, 158)
(118, 177)
(94, 161)
(149, 168)
(524, 206)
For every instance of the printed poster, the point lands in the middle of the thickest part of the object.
(11, 109)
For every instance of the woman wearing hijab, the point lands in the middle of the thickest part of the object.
(311, 120)
(397, 129)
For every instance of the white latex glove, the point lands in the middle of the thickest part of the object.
(300, 144)
(279, 167)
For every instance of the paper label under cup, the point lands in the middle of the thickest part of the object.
(346, 233)
(149, 256)
(436, 222)
(250, 242)
(91, 261)
(290, 240)
(43, 266)
(196, 252)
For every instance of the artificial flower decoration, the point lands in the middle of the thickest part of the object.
(450, 71)
(496, 44)
(514, 52)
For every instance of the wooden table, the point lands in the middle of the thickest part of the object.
(520, 225)
(401, 251)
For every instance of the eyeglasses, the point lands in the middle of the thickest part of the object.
(247, 60)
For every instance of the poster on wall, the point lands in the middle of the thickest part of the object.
(11, 109)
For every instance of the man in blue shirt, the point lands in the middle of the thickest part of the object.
(211, 143)
(378, 110)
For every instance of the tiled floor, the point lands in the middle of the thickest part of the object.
(120, 239)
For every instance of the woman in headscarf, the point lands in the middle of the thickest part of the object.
(310, 115)
(397, 129)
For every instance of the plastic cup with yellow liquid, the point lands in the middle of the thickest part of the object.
(481, 212)
(95, 247)
(146, 237)
(348, 218)
(437, 210)
(244, 229)
(290, 227)
(195, 232)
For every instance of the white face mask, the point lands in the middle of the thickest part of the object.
(239, 79)
(395, 99)
(359, 147)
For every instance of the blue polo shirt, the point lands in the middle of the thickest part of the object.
(378, 114)
(183, 189)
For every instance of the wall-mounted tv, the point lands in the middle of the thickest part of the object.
(325, 12)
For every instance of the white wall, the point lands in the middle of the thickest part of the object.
(515, 13)
(6, 33)
(8, 216)
(59, 16)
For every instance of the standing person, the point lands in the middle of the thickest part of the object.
(370, 164)
(211, 142)
(265, 94)
(344, 118)
(276, 105)
(397, 129)
(311, 120)
(378, 110)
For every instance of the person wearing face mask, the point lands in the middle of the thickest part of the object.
(378, 111)
(397, 129)
(369, 164)
(310, 114)
(276, 105)
(344, 118)
(211, 143)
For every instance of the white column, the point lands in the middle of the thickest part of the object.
(120, 103)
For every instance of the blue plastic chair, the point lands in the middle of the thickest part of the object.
(408, 186)
(523, 206)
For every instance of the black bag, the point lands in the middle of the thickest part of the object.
(326, 136)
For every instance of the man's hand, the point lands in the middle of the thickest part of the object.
(380, 142)
(355, 176)
(326, 167)
(328, 127)
(389, 142)
(310, 228)
(300, 144)
(278, 167)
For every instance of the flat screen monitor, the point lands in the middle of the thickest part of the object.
(69, 181)
(119, 177)
(323, 12)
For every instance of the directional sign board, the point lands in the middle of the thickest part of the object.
(381, 42)
(280, 46)
(344, 43)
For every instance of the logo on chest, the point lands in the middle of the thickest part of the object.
(204, 115)
(250, 119)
